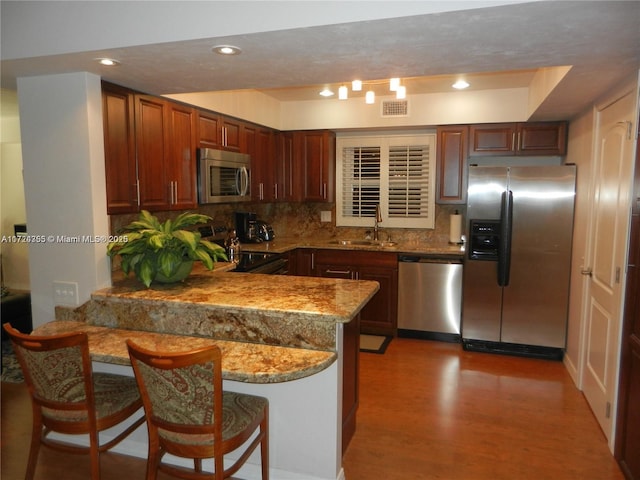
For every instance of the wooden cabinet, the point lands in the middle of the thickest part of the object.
(165, 149)
(220, 132)
(151, 149)
(451, 185)
(350, 379)
(263, 177)
(314, 157)
(285, 167)
(518, 139)
(380, 315)
(149, 152)
(119, 149)
(181, 160)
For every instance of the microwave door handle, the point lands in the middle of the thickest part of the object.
(243, 181)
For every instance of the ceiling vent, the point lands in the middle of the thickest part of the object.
(394, 108)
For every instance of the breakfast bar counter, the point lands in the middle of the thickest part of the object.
(277, 310)
(241, 361)
(293, 340)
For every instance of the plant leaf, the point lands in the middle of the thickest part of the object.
(204, 257)
(186, 219)
(168, 262)
(146, 271)
(188, 238)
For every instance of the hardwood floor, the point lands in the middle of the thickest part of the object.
(428, 410)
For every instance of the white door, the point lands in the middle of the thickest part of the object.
(609, 231)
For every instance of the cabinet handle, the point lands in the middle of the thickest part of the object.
(224, 136)
(175, 190)
(313, 261)
(261, 192)
(513, 141)
(275, 191)
(137, 188)
(324, 191)
(339, 272)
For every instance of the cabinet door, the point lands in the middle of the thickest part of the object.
(209, 130)
(452, 165)
(181, 159)
(302, 262)
(380, 315)
(284, 167)
(263, 167)
(231, 134)
(152, 146)
(545, 138)
(492, 139)
(315, 158)
(119, 150)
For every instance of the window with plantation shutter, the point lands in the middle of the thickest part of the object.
(395, 172)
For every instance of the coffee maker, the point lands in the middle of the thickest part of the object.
(246, 227)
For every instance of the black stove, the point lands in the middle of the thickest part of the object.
(249, 262)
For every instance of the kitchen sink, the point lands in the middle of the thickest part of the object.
(372, 243)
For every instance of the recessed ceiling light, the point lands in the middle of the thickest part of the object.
(460, 85)
(108, 62)
(326, 93)
(227, 50)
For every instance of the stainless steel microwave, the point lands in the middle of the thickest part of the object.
(223, 176)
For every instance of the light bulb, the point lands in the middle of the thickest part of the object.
(394, 83)
(343, 92)
(370, 97)
(401, 92)
(356, 85)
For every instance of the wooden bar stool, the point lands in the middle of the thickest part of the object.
(190, 416)
(68, 397)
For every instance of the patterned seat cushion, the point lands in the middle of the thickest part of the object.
(238, 411)
(112, 394)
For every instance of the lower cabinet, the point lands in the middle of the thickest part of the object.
(350, 380)
(379, 316)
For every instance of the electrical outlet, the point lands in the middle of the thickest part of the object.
(325, 216)
(65, 293)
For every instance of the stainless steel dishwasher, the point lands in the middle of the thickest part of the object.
(429, 297)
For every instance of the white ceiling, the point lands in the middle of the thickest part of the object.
(600, 39)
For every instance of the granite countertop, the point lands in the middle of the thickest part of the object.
(286, 244)
(243, 362)
(319, 299)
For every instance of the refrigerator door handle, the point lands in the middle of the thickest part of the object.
(504, 249)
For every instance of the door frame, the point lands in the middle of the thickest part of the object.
(630, 88)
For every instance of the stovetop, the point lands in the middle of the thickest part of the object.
(218, 233)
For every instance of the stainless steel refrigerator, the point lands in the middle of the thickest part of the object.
(517, 265)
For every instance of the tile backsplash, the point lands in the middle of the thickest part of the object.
(304, 220)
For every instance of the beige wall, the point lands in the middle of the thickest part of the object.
(15, 260)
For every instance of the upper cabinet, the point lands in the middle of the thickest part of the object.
(451, 185)
(219, 132)
(513, 139)
(165, 148)
(150, 147)
(314, 160)
(119, 150)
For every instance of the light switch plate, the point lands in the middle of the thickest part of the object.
(325, 215)
(65, 293)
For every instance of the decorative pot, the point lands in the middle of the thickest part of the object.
(182, 272)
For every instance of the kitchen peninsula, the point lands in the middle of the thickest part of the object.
(293, 340)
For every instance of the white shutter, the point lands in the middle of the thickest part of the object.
(360, 181)
(409, 181)
(396, 172)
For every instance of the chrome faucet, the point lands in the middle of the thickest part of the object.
(377, 221)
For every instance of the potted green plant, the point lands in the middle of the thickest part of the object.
(164, 252)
